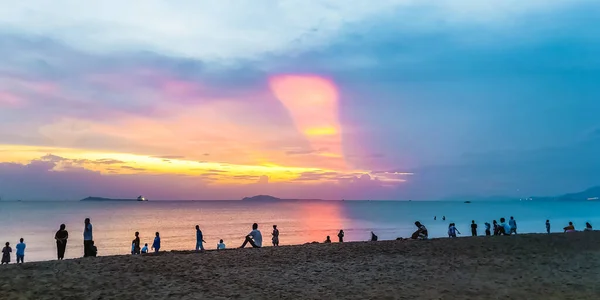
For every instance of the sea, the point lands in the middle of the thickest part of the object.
(299, 222)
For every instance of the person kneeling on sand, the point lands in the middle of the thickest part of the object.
(421, 232)
(328, 240)
(373, 237)
(221, 245)
(570, 228)
(254, 237)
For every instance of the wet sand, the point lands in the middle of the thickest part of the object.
(557, 266)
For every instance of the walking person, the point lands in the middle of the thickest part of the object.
(513, 225)
(275, 235)
(136, 243)
(20, 251)
(487, 229)
(341, 236)
(156, 243)
(199, 239)
(6, 251)
(87, 238)
(61, 237)
(473, 228)
(548, 226)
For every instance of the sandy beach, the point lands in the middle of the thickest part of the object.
(556, 266)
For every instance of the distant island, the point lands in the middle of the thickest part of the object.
(140, 198)
(591, 194)
(267, 198)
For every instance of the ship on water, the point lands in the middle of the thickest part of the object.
(139, 198)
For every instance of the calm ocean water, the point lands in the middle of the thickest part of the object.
(299, 222)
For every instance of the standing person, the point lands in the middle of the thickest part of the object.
(452, 230)
(61, 237)
(473, 228)
(6, 254)
(136, 243)
(341, 236)
(496, 228)
(275, 235)
(548, 226)
(254, 237)
(199, 239)
(156, 243)
(487, 229)
(513, 225)
(20, 251)
(87, 238)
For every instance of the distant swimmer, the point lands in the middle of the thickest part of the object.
(421, 232)
(547, 226)
(341, 236)
(588, 227)
(444, 218)
(327, 240)
(513, 225)
(435, 218)
(570, 227)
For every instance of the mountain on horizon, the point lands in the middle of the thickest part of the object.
(592, 193)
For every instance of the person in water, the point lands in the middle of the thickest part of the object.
(221, 245)
(327, 240)
(421, 232)
(61, 237)
(199, 239)
(487, 229)
(156, 243)
(87, 237)
(452, 230)
(254, 237)
(548, 226)
(373, 237)
(570, 227)
(434, 218)
(496, 228)
(473, 228)
(588, 227)
(275, 235)
(444, 218)
(136, 243)
(6, 251)
(341, 236)
(513, 225)
(145, 248)
(20, 250)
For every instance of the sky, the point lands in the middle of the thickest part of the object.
(327, 99)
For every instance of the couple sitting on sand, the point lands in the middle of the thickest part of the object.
(421, 232)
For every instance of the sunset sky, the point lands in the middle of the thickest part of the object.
(389, 99)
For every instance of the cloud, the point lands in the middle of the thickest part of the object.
(132, 168)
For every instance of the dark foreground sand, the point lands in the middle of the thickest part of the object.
(557, 266)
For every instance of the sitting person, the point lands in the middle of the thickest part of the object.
(570, 227)
(588, 227)
(145, 248)
(373, 237)
(503, 228)
(254, 237)
(421, 232)
(93, 249)
(328, 240)
(220, 245)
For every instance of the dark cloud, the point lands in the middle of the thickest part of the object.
(132, 168)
